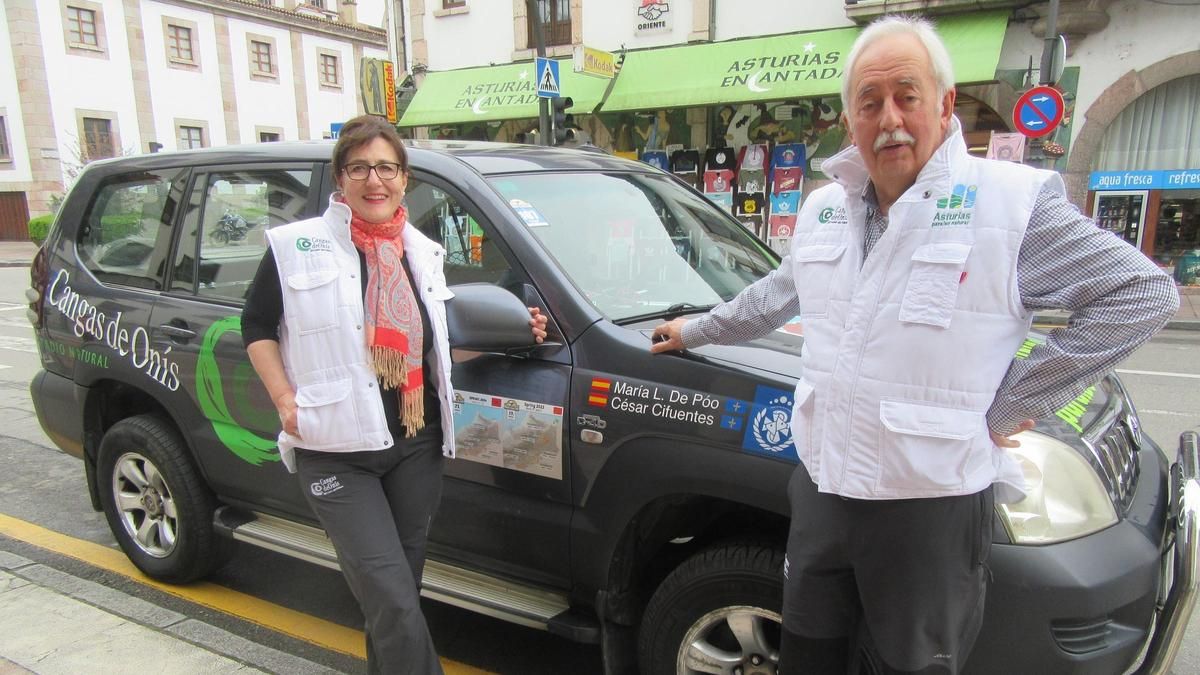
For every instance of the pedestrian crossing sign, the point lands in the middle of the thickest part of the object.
(547, 78)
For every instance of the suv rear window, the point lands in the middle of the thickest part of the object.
(126, 234)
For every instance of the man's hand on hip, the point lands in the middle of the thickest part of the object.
(668, 336)
(1006, 440)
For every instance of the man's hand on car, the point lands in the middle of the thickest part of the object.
(668, 336)
(537, 323)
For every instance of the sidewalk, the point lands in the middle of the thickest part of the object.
(20, 253)
(54, 622)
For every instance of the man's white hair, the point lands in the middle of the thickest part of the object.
(939, 58)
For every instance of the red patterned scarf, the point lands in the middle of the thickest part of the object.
(393, 318)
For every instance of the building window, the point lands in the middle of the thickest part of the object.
(329, 75)
(555, 18)
(453, 4)
(319, 4)
(5, 152)
(97, 139)
(191, 137)
(179, 43)
(260, 58)
(81, 27)
(268, 137)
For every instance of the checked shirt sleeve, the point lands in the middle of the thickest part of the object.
(759, 309)
(1118, 299)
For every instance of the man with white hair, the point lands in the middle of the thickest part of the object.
(916, 275)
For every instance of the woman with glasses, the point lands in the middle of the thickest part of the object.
(345, 324)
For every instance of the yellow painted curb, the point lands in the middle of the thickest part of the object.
(299, 625)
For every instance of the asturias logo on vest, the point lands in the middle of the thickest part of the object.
(829, 213)
(315, 244)
(957, 208)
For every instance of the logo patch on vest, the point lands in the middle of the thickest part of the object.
(830, 214)
(313, 245)
(957, 208)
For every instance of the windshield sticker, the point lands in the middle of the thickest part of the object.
(134, 345)
(792, 327)
(531, 216)
(520, 435)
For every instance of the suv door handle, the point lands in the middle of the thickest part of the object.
(177, 330)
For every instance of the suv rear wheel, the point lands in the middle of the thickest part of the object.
(718, 612)
(157, 507)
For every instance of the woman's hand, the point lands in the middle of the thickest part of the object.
(285, 405)
(537, 323)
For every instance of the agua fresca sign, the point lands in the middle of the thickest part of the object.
(652, 16)
(806, 64)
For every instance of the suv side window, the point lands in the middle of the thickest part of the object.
(225, 223)
(126, 235)
(472, 255)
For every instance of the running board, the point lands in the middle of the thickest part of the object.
(501, 599)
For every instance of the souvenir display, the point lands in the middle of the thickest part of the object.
(686, 165)
(719, 176)
(656, 158)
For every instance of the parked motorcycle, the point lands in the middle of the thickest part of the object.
(231, 227)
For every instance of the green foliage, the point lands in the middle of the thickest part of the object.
(39, 227)
(116, 226)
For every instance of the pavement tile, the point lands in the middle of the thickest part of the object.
(12, 561)
(112, 600)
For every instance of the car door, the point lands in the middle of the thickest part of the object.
(231, 422)
(506, 500)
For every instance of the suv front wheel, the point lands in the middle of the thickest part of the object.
(156, 506)
(718, 612)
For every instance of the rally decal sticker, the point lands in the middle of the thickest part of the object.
(760, 426)
(507, 432)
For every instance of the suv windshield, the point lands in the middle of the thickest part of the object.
(637, 244)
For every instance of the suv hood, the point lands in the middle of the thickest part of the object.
(777, 353)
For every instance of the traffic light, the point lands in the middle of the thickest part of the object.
(558, 118)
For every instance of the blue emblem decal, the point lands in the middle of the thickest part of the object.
(769, 425)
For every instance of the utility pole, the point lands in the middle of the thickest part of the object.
(1049, 44)
(535, 18)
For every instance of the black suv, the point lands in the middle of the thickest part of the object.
(599, 491)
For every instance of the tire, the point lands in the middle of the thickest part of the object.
(220, 237)
(158, 509)
(687, 624)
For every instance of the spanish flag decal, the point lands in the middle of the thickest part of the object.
(599, 394)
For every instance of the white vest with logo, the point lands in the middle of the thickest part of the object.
(904, 352)
(322, 340)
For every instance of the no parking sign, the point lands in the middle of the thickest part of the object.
(1038, 112)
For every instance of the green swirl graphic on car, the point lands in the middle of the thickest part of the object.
(210, 394)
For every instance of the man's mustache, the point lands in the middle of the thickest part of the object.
(897, 136)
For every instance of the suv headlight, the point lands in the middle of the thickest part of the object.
(1065, 498)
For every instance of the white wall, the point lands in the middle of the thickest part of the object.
(481, 36)
(372, 12)
(263, 103)
(1140, 34)
(9, 100)
(177, 93)
(83, 82)
(608, 24)
(327, 105)
(740, 18)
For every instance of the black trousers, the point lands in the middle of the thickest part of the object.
(376, 507)
(913, 571)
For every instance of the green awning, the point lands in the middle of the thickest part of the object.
(799, 65)
(494, 93)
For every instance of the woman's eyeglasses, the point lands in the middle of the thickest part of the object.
(385, 170)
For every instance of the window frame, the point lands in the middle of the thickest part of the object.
(555, 32)
(200, 125)
(253, 61)
(260, 130)
(114, 134)
(169, 23)
(322, 55)
(81, 47)
(6, 156)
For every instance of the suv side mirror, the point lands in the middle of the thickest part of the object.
(487, 318)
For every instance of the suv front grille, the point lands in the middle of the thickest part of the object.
(1114, 439)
